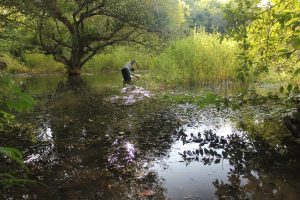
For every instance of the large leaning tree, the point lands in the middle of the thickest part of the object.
(73, 31)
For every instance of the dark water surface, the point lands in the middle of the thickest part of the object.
(97, 140)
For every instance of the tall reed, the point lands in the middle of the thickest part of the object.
(197, 58)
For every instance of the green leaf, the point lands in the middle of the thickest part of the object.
(281, 89)
(7, 117)
(294, 41)
(8, 180)
(13, 154)
(297, 72)
(289, 88)
(24, 102)
(296, 89)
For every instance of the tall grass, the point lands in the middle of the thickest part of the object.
(190, 60)
(196, 58)
(42, 63)
(114, 58)
(32, 63)
(13, 64)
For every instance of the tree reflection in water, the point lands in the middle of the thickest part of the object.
(75, 84)
(96, 149)
(257, 169)
(91, 148)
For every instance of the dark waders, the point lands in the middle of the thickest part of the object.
(126, 76)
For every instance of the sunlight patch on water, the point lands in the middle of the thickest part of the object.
(46, 136)
(46, 133)
(46, 154)
(187, 171)
(130, 150)
(123, 153)
(130, 95)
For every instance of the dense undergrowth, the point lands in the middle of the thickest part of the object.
(14, 136)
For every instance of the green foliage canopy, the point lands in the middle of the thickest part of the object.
(208, 14)
(75, 31)
(268, 34)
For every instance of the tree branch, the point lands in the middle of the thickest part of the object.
(92, 12)
(61, 59)
(58, 15)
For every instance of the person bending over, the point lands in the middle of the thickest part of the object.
(127, 70)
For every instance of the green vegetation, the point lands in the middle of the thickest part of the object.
(268, 35)
(194, 59)
(179, 43)
(114, 58)
(75, 32)
(186, 38)
(32, 63)
(14, 135)
(208, 14)
(14, 177)
(13, 65)
(42, 63)
(197, 58)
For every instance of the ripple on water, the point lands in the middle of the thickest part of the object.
(130, 94)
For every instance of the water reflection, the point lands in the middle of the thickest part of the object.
(222, 156)
(122, 154)
(130, 94)
(75, 84)
(45, 133)
(91, 147)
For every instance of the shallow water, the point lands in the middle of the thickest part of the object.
(98, 140)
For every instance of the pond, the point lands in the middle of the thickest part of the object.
(98, 140)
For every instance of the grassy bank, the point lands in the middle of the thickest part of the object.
(31, 63)
(42, 63)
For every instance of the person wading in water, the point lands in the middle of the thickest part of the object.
(127, 70)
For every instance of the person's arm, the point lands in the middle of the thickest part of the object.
(134, 75)
(130, 72)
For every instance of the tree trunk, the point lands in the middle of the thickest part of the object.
(74, 70)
